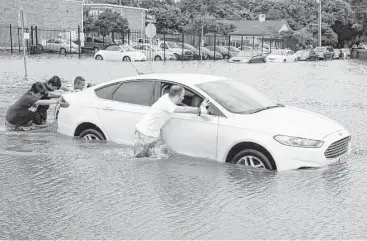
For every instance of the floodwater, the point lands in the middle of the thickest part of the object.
(54, 187)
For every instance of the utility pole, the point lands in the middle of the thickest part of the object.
(319, 11)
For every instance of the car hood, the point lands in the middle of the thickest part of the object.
(290, 121)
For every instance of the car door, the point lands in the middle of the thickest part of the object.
(57, 45)
(122, 106)
(49, 45)
(113, 52)
(190, 134)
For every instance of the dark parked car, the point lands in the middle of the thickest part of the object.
(306, 55)
(324, 53)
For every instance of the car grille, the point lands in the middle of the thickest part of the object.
(338, 148)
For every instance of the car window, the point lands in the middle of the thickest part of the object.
(89, 39)
(136, 92)
(191, 99)
(57, 41)
(98, 41)
(51, 41)
(113, 48)
(107, 91)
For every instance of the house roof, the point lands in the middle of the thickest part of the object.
(104, 5)
(257, 28)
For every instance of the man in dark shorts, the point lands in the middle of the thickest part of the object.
(50, 85)
(22, 115)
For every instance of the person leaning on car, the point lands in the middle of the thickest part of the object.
(54, 83)
(147, 133)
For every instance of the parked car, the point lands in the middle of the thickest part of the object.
(96, 43)
(227, 54)
(305, 54)
(179, 52)
(338, 54)
(154, 53)
(211, 54)
(325, 53)
(63, 46)
(235, 130)
(282, 55)
(248, 57)
(119, 53)
(197, 55)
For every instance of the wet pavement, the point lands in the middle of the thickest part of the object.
(54, 187)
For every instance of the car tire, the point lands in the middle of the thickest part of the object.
(177, 56)
(95, 49)
(63, 51)
(284, 60)
(99, 57)
(157, 58)
(253, 158)
(91, 135)
(225, 56)
(295, 60)
(264, 60)
(39, 47)
(250, 62)
(126, 59)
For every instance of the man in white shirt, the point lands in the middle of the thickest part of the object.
(147, 132)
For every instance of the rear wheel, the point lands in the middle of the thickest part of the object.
(284, 60)
(225, 56)
(63, 51)
(91, 135)
(177, 56)
(157, 58)
(252, 158)
(250, 61)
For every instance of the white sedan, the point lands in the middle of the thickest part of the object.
(153, 53)
(282, 55)
(243, 126)
(120, 53)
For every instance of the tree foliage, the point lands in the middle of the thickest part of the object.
(110, 21)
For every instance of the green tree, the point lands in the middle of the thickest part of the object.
(169, 19)
(110, 21)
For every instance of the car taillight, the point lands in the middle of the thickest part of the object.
(64, 103)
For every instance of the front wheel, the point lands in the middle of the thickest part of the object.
(284, 61)
(126, 59)
(91, 135)
(157, 58)
(99, 57)
(63, 51)
(252, 158)
(177, 56)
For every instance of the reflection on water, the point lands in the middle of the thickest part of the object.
(56, 187)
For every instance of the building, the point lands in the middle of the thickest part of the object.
(259, 33)
(45, 14)
(135, 16)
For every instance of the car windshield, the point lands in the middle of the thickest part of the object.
(237, 97)
(279, 52)
(245, 54)
(320, 49)
(302, 52)
(172, 45)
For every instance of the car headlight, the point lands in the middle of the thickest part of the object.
(298, 141)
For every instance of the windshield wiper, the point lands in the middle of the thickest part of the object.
(262, 109)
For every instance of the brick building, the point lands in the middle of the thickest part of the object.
(45, 14)
(135, 16)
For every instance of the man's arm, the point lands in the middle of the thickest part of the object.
(47, 102)
(187, 109)
(54, 94)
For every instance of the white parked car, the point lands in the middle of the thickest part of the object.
(154, 53)
(120, 53)
(243, 126)
(282, 55)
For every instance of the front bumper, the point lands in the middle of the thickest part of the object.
(288, 158)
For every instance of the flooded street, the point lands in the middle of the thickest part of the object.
(54, 187)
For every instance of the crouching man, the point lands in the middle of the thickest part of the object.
(23, 114)
(147, 133)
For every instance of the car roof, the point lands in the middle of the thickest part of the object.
(189, 79)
